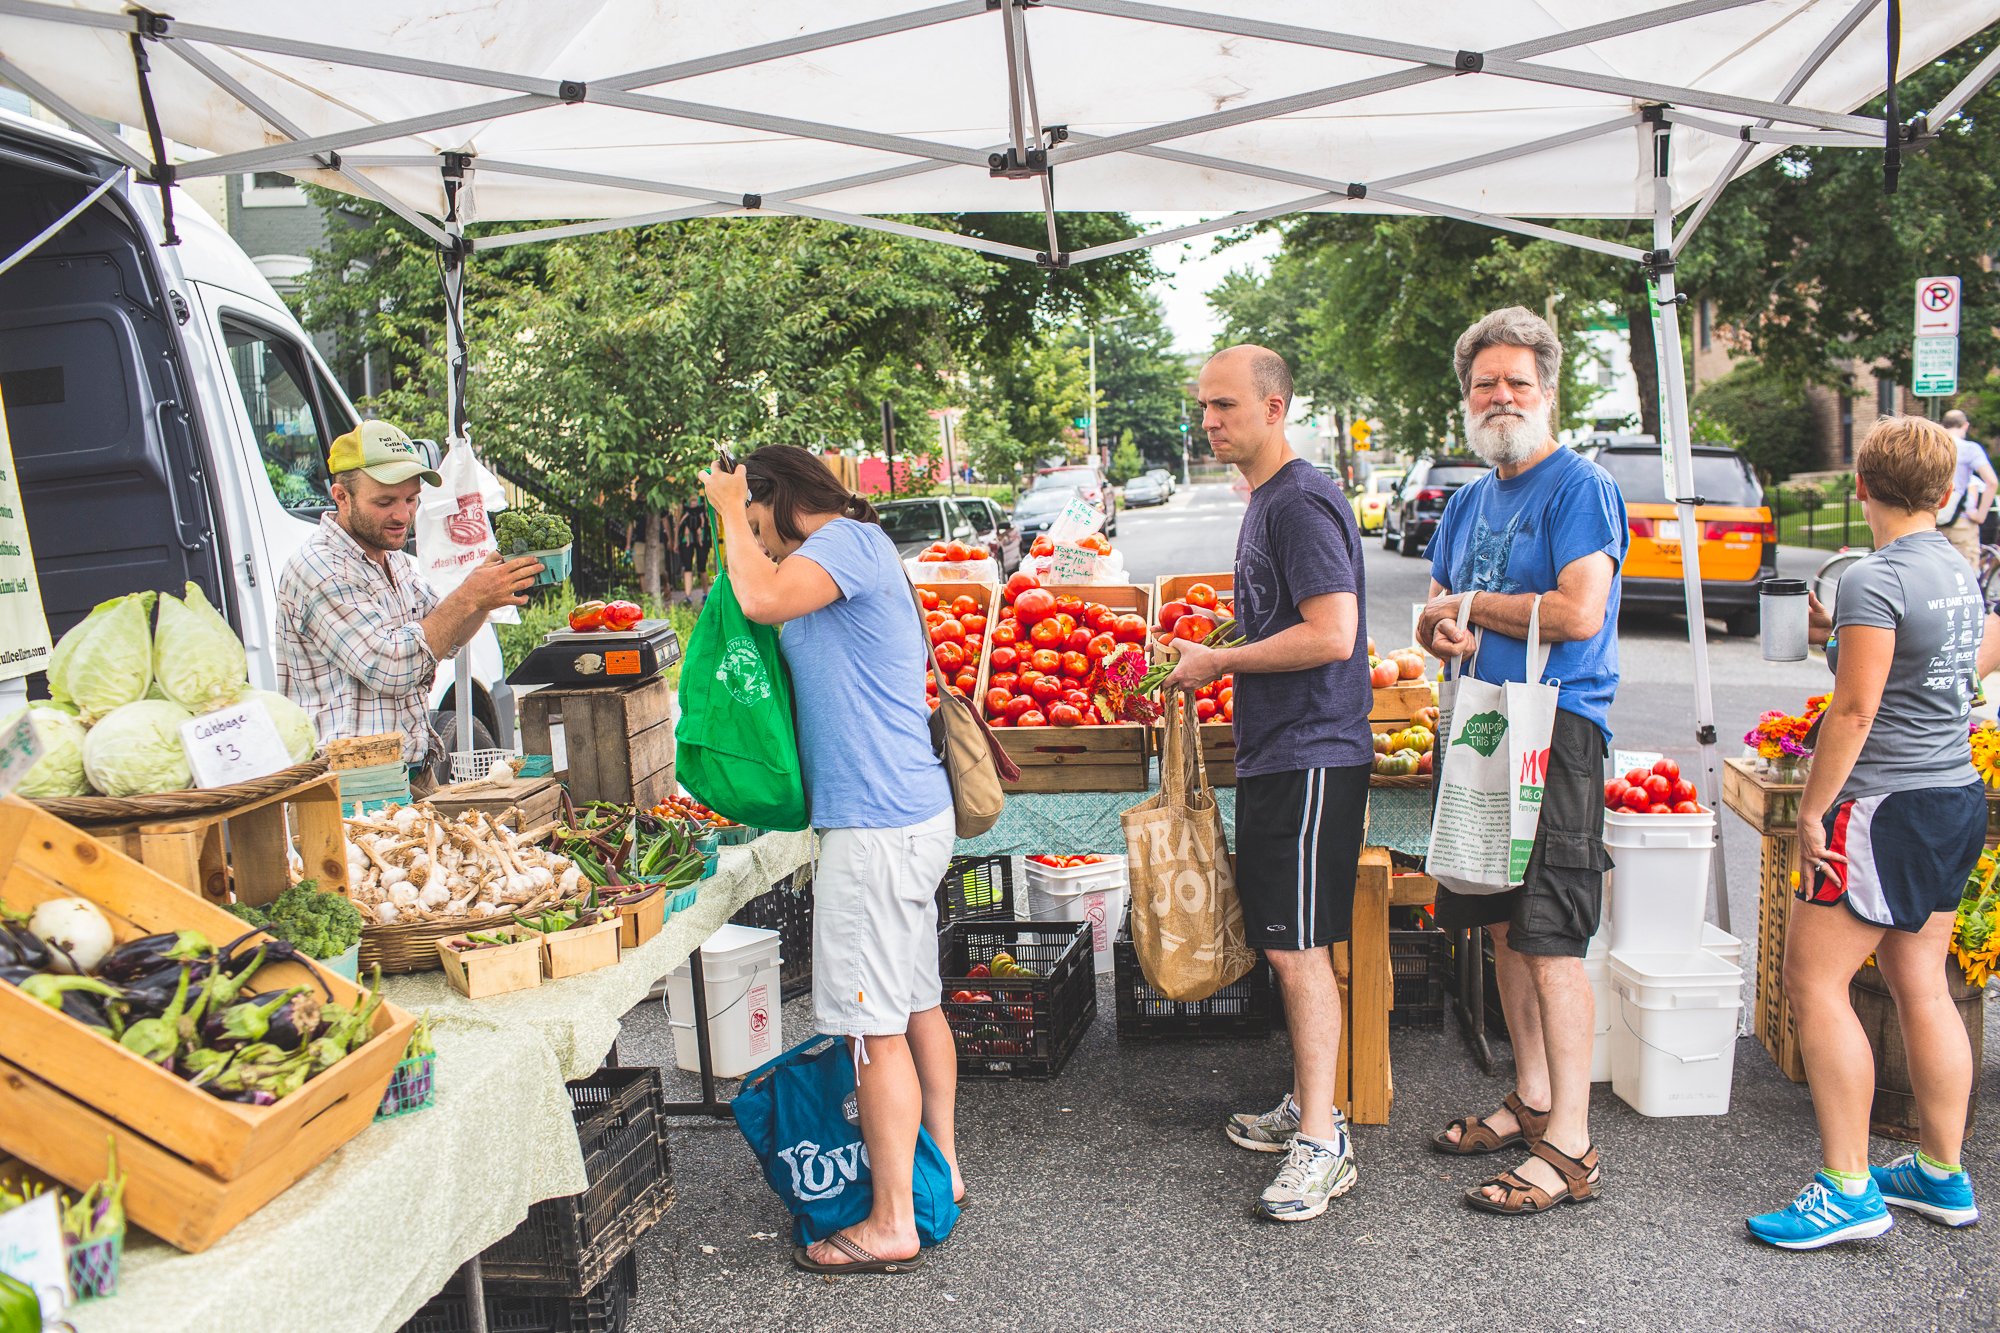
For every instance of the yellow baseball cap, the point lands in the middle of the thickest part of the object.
(383, 452)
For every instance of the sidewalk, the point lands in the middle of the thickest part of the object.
(1109, 1199)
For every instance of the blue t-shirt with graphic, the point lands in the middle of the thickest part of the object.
(1517, 535)
(858, 683)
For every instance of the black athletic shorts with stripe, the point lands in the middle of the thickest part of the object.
(1298, 839)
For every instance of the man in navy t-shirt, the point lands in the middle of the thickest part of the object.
(1545, 523)
(1303, 753)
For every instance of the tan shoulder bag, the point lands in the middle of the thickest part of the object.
(974, 763)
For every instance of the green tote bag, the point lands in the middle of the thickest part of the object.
(737, 746)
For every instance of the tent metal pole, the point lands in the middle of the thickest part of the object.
(963, 242)
(260, 159)
(792, 125)
(1674, 422)
(1981, 75)
(84, 125)
(457, 436)
(506, 239)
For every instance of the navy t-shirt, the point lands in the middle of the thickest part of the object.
(1299, 540)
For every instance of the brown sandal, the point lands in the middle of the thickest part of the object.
(1475, 1136)
(1581, 1177)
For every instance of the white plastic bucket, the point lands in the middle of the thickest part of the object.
(1597, 968)
(1106, 874)
(1104, 909)
(1657, 893)
(746, 1019)
(1673, 1039)
(1716, 940)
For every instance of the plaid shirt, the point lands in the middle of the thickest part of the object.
(350, 650)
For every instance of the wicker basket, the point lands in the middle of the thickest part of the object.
(96, 810)
(412, 946)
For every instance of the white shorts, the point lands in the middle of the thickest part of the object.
(875, 927)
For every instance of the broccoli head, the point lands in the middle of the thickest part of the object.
(322, 925)
(522, 530)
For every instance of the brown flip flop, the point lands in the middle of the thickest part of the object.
(1476, 1137)
(859, 1260)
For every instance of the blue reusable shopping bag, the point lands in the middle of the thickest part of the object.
(799, 1115)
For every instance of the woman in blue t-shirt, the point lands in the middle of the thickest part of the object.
(805, 553)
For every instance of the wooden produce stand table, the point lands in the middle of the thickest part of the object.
(435, 1188)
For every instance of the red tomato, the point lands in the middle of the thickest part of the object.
(1686, 808)
(930, 682)
(1204, 709)
(587, 617)
(959, 551)
(966, 682)
(1684, 790)
(1637, 801)
(1077, 697)
(1075, 665)
(948, 631)
(1046, 660)
(932, 700)
(1001, 721)
(1007, 633)
(1045, 689)
(1034, 605)
(1003, 680)
(950, 656)
(974, 623)
(1667, 769)
(935, 618)
(996, 701)
(1661, 810)
(1614, 792)
(1130, 629)
(1004, 658)
(1076, 641)
(1172, 612)
(1099, 647)
(1194, 627)
(1042, 546)
(1066, 622)
(1069, 604)
(1100, 618)
(963, 606)
(1383, 674)
(1206, 692)
(1091, 718)
(1047, 634)
(1659, 789)
(1201, 595)
(1229, 715)
(1018, 707)
(973, 642)
(1028, 674)
(1066, 715)
(1637, 777)
(1019, 584)
(1226, 693)
(928, 598)
(1032, 718)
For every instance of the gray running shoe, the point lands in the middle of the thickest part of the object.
(1313, 1176)
(1269, 1132)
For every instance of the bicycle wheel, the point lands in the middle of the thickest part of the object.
(1826, 580)
(1989, 575)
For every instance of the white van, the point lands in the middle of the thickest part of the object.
(169, 418)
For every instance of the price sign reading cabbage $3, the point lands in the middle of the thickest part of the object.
(236, 744)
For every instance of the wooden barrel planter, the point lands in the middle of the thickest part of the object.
(1894, 1114)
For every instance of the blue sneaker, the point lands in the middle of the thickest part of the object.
(1905, 1184)
(1822, 1215)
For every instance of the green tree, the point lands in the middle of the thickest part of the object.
(1765, 416)
(1140, 381)
(1125, 461)
(1024, 408)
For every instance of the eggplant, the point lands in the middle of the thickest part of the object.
(20, 945)
(152, 953)
(159, 1039)
(294, 1022)
(16, 973)
(271, 951)
(253, 1020)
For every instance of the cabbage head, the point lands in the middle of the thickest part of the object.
(136, 750)
(295, 727)
(59, 772)
(197, 659)
(107, 660)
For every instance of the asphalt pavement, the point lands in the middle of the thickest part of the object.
(1109, 1199)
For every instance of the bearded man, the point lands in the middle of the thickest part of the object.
(1547, 527)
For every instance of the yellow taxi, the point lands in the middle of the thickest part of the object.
(1372, 503)
(1737, 536)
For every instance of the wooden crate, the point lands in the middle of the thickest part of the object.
(1218, 739)
(196, 1164)
(538, 799)
(1114, 757)
(249, 844)
(618, 744)
(989, 598)
(1169, 587)
(351, 752)
(1402, 701)
(1364, 1086)
(1766, 806)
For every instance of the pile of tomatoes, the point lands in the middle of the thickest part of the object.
(1096, 543)
(1195, 615)
(1067, 862)
(1400, 665)
(1044, 651)
(1659, 790)
(688, 810)
(958, 635)
(939, 553)
(1216, 701)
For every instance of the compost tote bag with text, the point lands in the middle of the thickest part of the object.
(1493, 756)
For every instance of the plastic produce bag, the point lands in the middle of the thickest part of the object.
(106, 661)
(454, 527)
(738, 747)
(198, 662)
(985, 571)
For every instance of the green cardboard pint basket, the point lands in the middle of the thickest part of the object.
(555, 566)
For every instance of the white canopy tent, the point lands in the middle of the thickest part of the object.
(624, 112)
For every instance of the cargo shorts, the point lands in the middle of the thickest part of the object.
(1561, 899)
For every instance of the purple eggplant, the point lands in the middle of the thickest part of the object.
(151, 954)
(16, 973)
(20, 945)
(271, 950)
(253, 1020)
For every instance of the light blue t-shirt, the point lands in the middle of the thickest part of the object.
(858, 680)
(1517, 536)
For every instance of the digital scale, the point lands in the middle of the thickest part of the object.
(611, 658)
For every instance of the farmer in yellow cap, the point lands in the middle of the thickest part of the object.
(360, 633)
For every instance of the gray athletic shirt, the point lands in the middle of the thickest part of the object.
(1922, 589)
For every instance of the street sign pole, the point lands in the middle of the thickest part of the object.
(1934, 346)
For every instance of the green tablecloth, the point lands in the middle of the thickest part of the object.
(371, 1234)
(1399, 818)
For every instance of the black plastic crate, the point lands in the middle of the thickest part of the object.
(787, 909)
(1024, 1027)
(511, 1309)
(572, 1242)
(1246, 1007)
(976, 888)
(1417, 963)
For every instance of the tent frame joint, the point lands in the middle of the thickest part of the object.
(1469, 62)
(151, 26)
(1655, 113)
(572, 91)
(1357, 190)
(753, 202)
(1657, 262)
(1054, 263)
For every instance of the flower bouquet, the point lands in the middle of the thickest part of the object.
(1779, 740)
(1975, 937)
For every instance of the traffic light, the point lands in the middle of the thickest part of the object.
(1184, 428)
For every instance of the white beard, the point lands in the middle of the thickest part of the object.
(1505, 437)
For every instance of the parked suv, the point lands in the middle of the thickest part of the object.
(1087, 481)
(1737, 538)
(1414, 510)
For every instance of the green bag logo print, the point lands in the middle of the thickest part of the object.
(1483, 732)
(742, 672)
